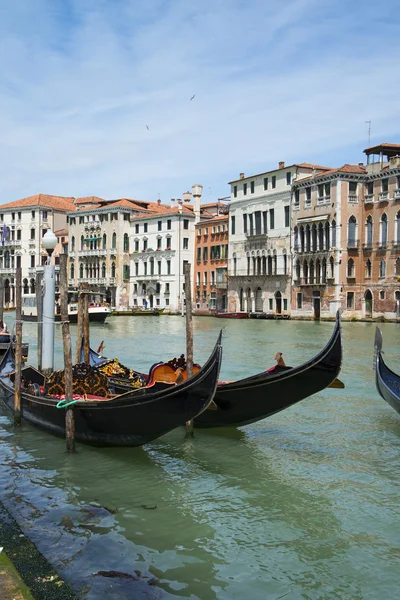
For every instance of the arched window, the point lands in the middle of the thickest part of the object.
(241, 302)
(350, 268)
(248, 264)
(275, 263)
(113, 269)
(284, 262)
(125, 272)
(352, 232)
(397, 229)
(298, 270)
(302, 246)
(332, 267)
(269, 261)
(333, 231)
(368, 232)
(323, 279)
(254, 265)
(114, 240)
(317, 271)
(397, 267)
(305, 271)
(26, 286)
(384, 230)
(296, 239)
(368, 269)
(311, 271)
(72, 271)
(308, 238)
(73, 243)
(264, 265)
(33, 286)
(104, 241)
(81, 271)
(320, 237)
(82, 242)
(103, 270)
(258, 265)
(6, 259)
(382, 268)
(126, 242)
(151, 266)
(314, 238)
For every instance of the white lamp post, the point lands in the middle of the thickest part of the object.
(49, 242)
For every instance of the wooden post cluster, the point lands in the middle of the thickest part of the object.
(86, 331)
(39, 310)
(189, 336)
(66, 335)
(1, 298)
(79, 326)
(18, 347)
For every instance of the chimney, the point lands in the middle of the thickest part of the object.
(197, 190)
(159, 201)
(172, 201)
(180, 202)
(241, 175)
(281, 164)
(186, 197)
(361, 164)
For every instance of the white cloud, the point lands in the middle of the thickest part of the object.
(290, 81)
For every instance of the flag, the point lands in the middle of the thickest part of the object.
(4, 234)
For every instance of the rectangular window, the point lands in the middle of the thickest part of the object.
(44, 214)
(352, 188)
(244, 223)
(299, 300)
(273, 181)
(81, 220)
(271, 304)
(205, 254)
(265, 222)
(205, 278)
(265, 183)
(19, 260)
(385, 185)
(145, 268)
(159, 266)
(136, 245)
(235, 191)
(168, 267)
(159, 240)
(251, 187)
(144, 244)
(167, 288)
(320, 192)
(19, 216)
(198, 254)
(18, 234)
(185, 223)
(382, 295)
(137, 228)
(251, 226)
(245, 189)
(297, 198)
(136, 268)
(350, 300)
(135, 288)
(308, 197)
(145, 227)
(158, 301)
(198, 278)
(232, 225)
(257, 220)
(288, 178)
(185, 243)
(327, 190)
(185, 262)
(370, 188)
(33, 214)
(285, 304)
(272, 218)
(159, 225)
(287, 216)
(32, 260)
(212, 277)
(166, 301)
(33, 232)
(169, 224)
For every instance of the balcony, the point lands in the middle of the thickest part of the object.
(353, 198)
(353, 244)
(323, 200)
(221, 285)
(32, 243)
(7, 271)
(396, 194)
(367, 246)
(113, 252)
(309, 281)
(383, 196)
(396, 246)
(369, 199)
(93, 280)
(96, 252)
(351, 278)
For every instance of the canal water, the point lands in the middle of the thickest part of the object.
(301, 505)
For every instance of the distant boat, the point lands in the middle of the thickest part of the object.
(98, 311)
(138, 312)
(232, 315)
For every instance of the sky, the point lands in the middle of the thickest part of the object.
(95, 95)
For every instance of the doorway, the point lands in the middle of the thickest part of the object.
(317, 305)
(278, 303)
(259, 300)
(151, 300)
(368, 304)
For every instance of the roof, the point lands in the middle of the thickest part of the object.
(60, 203)
(304, 165)
(60, 232)
(88, 200)
(210, 204)
(213, 219)
(355, 169)
(384, 147)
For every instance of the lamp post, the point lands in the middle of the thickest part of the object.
(49, 242)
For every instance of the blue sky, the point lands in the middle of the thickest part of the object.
(81, 81)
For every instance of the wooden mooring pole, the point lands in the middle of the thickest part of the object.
(66, 335)
(18, 347)
(39, 311)
(189, 336)
(86, 330)
(1, 298)
(79, 326)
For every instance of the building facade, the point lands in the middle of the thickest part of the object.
(346, 240)
(259, 265)
(23, 224)
(211, 263)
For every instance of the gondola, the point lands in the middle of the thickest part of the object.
(387, 382)
(259, 396)
(133, 418)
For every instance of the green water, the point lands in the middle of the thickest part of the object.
(301, 505)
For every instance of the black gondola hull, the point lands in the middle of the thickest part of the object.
(133, 419)
(387, 381)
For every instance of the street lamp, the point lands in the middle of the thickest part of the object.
(49, 242)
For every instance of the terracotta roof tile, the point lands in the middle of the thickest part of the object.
(60, 232)
(89, 200)
(61, 203)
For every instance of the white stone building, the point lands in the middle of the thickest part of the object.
(23, 224)
(259, 264)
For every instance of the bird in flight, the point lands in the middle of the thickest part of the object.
(192, 97)
(148, 128)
